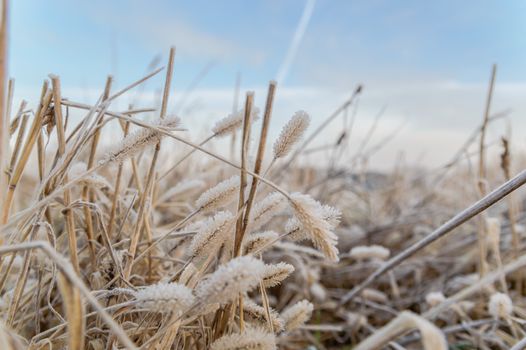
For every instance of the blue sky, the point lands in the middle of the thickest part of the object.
(417, 57)
(367, 39)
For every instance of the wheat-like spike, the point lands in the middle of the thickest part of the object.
(211, 235)
(238, 276)
(258, 313)
(310, 215)
(250, 339)
(266, 209)
(370, 252)
(138, 140)
(165, 298)
(276, 273)
(293, 228)
(219, 196)
(259, 240)
(233, 122)
(291, 133)
(297, 315)
(500, 306)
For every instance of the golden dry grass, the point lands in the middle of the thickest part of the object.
(161, 242)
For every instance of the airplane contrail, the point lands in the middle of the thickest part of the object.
(296, 41)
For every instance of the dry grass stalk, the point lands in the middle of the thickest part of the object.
(87, 196)
(159, 266)
(69, 272)
(482, 173)
(432, 337)
(26, 151)
(70, 223)
(257, 166)
(238, 239)
(505, 164)
(4, 116)
(74, 313)
(150, 178)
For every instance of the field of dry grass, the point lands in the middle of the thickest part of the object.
(162, 242)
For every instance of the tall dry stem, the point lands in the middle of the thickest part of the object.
(4, 117)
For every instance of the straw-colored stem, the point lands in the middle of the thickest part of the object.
(70, 220)
(18, 144)
(86, 194)
(19, 289)
(243, 175)
(113, 114)
(259, 162)
(149, 181)
(67, 269)
(116, 189)
(266, 305)
(132, 249)
(4, 117)
(432, 337)
(482, 181)
(26, 152)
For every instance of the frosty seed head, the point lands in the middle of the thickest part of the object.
(239, 275)
(220, 195)
(257, 313)
(256, 241)
(310, 215)
(297, 315)
(275, 273)
(251, 338)
(211, 234)
(266, 209)
(233, 122)
(138, 140)
(165, 297)
(291, 133)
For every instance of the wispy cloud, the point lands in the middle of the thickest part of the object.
(160, 27)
